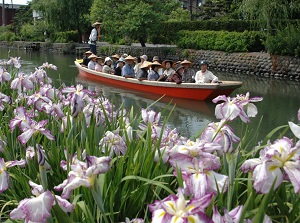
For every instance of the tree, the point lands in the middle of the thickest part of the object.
(65, 15)
(134, 20)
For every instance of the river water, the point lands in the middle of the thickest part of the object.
(281, 98)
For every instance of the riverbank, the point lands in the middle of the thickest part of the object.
(252, 63)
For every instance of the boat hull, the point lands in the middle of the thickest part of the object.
(184, 90)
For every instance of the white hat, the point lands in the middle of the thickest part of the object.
(144, 57)
(107, 59)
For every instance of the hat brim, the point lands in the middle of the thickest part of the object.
(163, 64)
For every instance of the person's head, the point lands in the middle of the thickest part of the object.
(107, 61)
(167, 64)
(115, 57)
(121, 62)
(155, 58)
(100, 60)
(93, 57)
(186, 64)
(143, 58)
(129, 60)
(155, 66)
(97, 25)
(203, 64)
(88, 53)
(179, 69)
(145, 65)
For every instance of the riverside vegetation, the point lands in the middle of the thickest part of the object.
(68, 155)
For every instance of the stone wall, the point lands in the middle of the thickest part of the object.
(253, 63)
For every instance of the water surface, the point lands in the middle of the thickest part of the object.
(280, 103)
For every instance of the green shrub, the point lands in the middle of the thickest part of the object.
(65, 37)
(221, 40)
(8, 36)
(285, 41)
(31, 32)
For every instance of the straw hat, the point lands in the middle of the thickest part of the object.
(96, 23)
(155, 63)
(145, 64)
(186, 62)
(178, 67)
(155, 58)
(117, 56)
(100, 58)
(92, 56)
(129, 58)
(88, 52)
(163, 64)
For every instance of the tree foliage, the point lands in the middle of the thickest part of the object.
(65, 15)
(132, 20)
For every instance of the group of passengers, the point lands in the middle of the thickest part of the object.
(142, 69)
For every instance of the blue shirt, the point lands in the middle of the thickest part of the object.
(128, 70)
(153, 75)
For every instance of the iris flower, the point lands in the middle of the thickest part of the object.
(295, 128)
(35, 127)
(222, 134)
(241, 106)
(83, 175)
(4, 99)
(4, 176)
(232, 216)
(199, 175)
(276, 162)
(15, 61)
(4, 75)
(38, 208)
(113, 142)
(21, 82)
(175, 209)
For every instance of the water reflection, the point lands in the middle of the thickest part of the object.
(188, 116)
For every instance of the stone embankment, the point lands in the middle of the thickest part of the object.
(253, 63)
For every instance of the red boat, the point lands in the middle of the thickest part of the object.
(205, 91)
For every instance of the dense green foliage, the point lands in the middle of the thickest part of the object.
(64, 37)
(285, 42)
(221, 40)
(133, 20)
(65, 15)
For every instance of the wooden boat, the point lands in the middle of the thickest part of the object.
(205, 91)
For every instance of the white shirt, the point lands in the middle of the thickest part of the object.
(93, 36)
(206, 77)
(91, 65)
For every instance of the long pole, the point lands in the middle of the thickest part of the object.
(3, 15)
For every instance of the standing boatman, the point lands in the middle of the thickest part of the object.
(94, 36)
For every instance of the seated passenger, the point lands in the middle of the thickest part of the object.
(153, 74)
(86, 59)
(107, 68)
(115, 59)
(92, 63)
(204, 75)
(127, 70)
(160, 70)
(143, 71)
(137, 67)
(189, 74)
(177, 76)
(120, 65)
(99, 65)
(167, 64)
